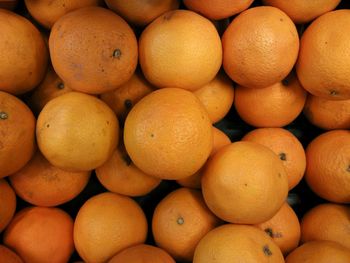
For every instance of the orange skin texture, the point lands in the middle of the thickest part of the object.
(180, 49)
(320, 252)
(217, 9)
(8, 256)
(180, 221)
(104, 60)
(327, 114)
(327, 166)
(286, 146)
(106, 224)
(8, 204)
(273, 106)
(37, 234)
(237, 243)
(168, 134)
(327, 222)
(260, 47)
(141, 13)
(245, 183)
(323, 58)
(43, 184)
(17, 134)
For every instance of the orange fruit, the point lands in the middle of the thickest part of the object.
(24, 63)
(284, 228)
(322, 63)
(120, 175)
(39, 234)
(286, 146)
(104, 60)
(77, 132)
(17, 131)
(106, 224)
(237, 243)
(220, 139)
(48, 12)
(273, 106)
(328, 166)
(122, 99)
(142, 254)
(8, 256)
(217, 97)
(42, 184)
(218, 9)
(260, 47)
(245, 183)
(168, 134)
(319, 252)
(8, 4)
(327, 222)
(327, 114)
(301, 11)
(180, 221)
(141, 13)
(188, 54)
(8, 204)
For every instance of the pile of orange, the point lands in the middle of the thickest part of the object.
(174, 131)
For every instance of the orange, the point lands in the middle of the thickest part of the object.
(105, 59)
(8, 204)
(323, 62)
(168, 134)
(180, 221)
(142, 254)
(217, 97)
(24, 63)
(39, 234)
(180, 49)
(8, 4)
(245, 183)
(237, 243)
(122, 99)
(284, 228)
(327, 114)
(48, 12)
(141, 13)
(260, 47)
(273, 106)
(42, 184)
(328, 166)
(8, 256)
(319, 252)
(106, 224)
(286, 146)
(220, 139)
(327, 222)
(77, 132)
(301, 11)
(218, 9)
(17, 129)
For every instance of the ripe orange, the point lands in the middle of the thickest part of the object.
(284, 228)
(327, 114)
(260, 47)
(188, 54)
(286, 146)
(24, 58)
(273, 106)
(237, 243)
(327, 222)
(39, 234)
(245, 183)
(105, 59)
(77, 132)
(323, 62)
(8, 204)
(8, 256)
(168, 134)
(328, 166)
(106, 224)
